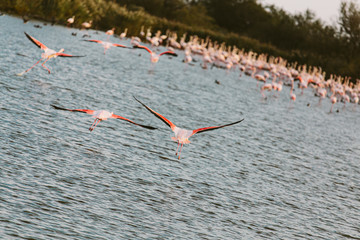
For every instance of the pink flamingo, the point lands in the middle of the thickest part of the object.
(106, 45)
(333, 100)
(47, 55)
(70, 21)
(182, 135)
(155, 57)
(262, 78)
(266, 86)
(292, 95)
(100, 115)
(110, 33)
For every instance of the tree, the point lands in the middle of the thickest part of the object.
(349, 21)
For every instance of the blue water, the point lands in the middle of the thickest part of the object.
(285, 172)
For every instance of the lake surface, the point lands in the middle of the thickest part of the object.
(285, 172)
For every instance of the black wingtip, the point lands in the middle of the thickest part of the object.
(59, 108)
(148, 127)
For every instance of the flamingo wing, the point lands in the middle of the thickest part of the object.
(66, 55)
(36, 42)
(168, 53)
(74, 110)
(199, 130)
(91, 40)
(119, 45)
(141, 46)
(125, 119)
(158, 115)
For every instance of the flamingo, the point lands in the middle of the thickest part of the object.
(266, 86)
(123, 34)
(110, 33)
(292, 95)
(86, 25)
(100, 115)
(106, 45)
(48, 54)
(182, 135)
(155, 57)
(70, 21)
(262, 78)
(333, 100)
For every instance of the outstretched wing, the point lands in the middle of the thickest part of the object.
(36, 42)
(125, 119)
(74, 110)
(168, 53)
(161, 117)
(141, 46)
(199, 130)
(119, 45)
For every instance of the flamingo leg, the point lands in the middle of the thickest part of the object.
(34, 65)
(180, 150)
(331, 107)
(177, 148)
(96, 123)
(45, 66)
(262, 93)
(91, 128)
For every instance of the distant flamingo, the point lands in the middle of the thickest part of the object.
(292, 95)
(333, 100)
(155, 57)
(100, 115)
(86, 25)
(123, 34)
(262, 78)
(70, 21)
(266, 86)
(182, 135)
(107, 45)
(48, 54)
(110, 33)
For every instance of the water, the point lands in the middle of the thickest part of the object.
(283, 173)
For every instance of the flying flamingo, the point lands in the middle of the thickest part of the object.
(48, 54)
(182, 135)
(107, 45)
(100, 115)
(155, 57)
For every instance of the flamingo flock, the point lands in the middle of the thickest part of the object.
(271, 73)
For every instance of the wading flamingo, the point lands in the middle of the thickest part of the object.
(182, 135)
(106, 45)
(48, 53)
(100, 115)
(266, 86)
(154, 56)
(333, 100)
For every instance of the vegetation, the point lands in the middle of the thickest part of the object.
(245, 23)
